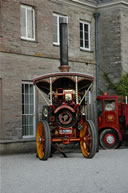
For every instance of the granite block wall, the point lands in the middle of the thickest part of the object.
(109, 47)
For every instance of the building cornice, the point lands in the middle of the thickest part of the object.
(92, 5)
(112, 4)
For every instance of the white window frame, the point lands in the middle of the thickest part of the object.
(84, 48)
(34, 113)
(58, 27)
(26, 7)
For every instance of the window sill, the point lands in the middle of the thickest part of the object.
(56, 45)
(17, 140)
(84, 50)
(29, 40)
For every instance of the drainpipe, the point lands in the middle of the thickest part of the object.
(96, 16)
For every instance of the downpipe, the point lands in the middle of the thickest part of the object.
(96, 16)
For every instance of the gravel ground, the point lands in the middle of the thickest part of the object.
(107, 172)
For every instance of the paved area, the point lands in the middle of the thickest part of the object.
(107, 172)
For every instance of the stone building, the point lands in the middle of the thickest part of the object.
(29, 47)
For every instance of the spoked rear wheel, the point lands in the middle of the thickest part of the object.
(43, 140)
(88, 142)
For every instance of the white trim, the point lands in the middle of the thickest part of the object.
(113, 3)
(33, 22)
(86, 4)
(89, 47)
(58, 37)
(100, 5)
(34, 116)
(63, 72)
(92, 6)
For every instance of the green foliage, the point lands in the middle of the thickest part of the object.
(120, 88)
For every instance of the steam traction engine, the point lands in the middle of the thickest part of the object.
(63, 118)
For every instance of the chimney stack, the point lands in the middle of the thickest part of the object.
(64, 67)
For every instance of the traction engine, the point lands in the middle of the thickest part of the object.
(63, 118)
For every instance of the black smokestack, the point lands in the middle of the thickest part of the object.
(64, 47)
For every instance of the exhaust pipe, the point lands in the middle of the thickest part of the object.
(64, 67)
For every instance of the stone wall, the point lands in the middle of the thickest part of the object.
(109, 46)
(43, 46)
(124, 40)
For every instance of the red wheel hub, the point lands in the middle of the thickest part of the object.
(109, 139)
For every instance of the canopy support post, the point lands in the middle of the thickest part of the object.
(42, 95)
(85, 94)
(77, 90)
(50, 91)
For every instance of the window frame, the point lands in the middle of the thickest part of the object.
(110, 102)
(34, 111)
(58, 27)
(89, 45)
(26, 7)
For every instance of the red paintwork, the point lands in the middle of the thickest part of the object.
(64, 106)
(110, 119)
(70, 139)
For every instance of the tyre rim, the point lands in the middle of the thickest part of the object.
(109, 139)
(86, 140)
(40, 140)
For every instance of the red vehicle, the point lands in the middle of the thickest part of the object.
(63, 118)
(112, 121)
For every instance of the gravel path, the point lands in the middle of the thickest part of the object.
(107, 172)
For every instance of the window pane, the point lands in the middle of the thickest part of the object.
(28, 109)
(26, 89)
(30, 23)
(23, 21)
(81, 26)
(81, 35)
(86, 44)
(57, 19)
(81, 43)
(86, 27)
(99, 107)
(31, 99)
(27, 22)
(54, 28)
(86, 36)
(31, 109)
(61, 20)
(109, 105)
(31, 89)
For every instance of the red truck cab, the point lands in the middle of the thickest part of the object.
(111, 118)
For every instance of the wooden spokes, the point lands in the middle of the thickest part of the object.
(88, 142)
(43, 140)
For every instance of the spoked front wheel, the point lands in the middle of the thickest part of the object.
(43, 140)
(88, 139)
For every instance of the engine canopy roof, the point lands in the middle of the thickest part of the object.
(64, 80)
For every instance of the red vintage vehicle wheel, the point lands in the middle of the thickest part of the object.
(88, 136)
(43, 140)
(109, 139)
